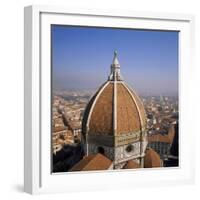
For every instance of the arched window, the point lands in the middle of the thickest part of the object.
(101, 150)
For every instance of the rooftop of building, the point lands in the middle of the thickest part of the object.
(163, 138)
(131, 165)
(92, 162)
(151, 159)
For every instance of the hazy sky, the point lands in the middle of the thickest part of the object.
(81, 58)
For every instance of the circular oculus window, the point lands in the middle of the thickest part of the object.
(129, 148)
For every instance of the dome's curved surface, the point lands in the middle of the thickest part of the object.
(128, 113)
(114, 109)
(101, 114)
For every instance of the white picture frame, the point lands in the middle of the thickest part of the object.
(37, 140)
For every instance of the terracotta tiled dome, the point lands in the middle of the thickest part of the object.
(92, 162)
(151, 159)
(131, 165)
(115, 109)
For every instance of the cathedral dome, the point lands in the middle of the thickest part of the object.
(115, 109)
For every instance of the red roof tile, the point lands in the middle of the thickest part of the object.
(131, 165)
(92, 162)
(151, 159)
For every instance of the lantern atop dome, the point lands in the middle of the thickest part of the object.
(115, 69)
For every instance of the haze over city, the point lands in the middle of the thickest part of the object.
(81, 58)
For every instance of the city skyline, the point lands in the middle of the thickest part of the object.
(81, 58)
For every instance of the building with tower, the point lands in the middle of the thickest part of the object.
(114, 126)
